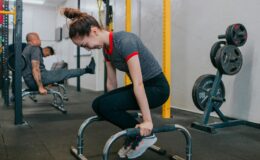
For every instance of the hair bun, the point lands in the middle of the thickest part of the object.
(72, 13)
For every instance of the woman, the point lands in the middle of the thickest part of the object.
(123, 51)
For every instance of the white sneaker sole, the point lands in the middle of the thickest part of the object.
(147, 145)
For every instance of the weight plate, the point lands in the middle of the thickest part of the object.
(236, 34)
(229, 60)
(201, 92)
(216, 46)
(11, 62)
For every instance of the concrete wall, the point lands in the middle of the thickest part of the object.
(196, 25)
(40, 19)
(36, 18)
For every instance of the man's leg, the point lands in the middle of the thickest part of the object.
(49, 77)
(53, 76)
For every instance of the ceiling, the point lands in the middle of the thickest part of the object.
(54, 3)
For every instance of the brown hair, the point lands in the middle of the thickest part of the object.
(52, 52)
(81, 22)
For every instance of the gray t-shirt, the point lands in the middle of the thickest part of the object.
(32, 53)
(124, 45)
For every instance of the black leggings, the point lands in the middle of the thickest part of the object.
(112, 106)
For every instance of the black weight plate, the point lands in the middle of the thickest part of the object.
(216, 46)
(201, 91)
(11, 62)
(229, 60)
(23, 62)
(236, 34)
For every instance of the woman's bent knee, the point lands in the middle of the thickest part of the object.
(95, 105)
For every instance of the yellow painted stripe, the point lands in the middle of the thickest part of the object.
(13, 12)
(7, 12)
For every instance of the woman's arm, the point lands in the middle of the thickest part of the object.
(137, 79)
(111, 77)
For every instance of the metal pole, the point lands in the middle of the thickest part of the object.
(128, 27)
(6, 78)
(1, 52)
(1, 16)
(78, 59)
(18, 72)
(133, 132)
(110, 29)
(166, 111)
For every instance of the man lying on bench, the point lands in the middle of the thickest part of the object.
(35, 74)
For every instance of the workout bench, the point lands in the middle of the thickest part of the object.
(78, 152)
(57, 98)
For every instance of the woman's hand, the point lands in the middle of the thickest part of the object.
(145, 128)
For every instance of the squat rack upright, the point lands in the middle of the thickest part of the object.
(17, 13)
(4, 33)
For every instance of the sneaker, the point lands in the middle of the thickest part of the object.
(91, 67)
(127, 146)
(123, 151)
(143, 145)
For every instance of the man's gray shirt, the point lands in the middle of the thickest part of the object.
(32, 53)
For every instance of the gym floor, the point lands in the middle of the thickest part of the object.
(50, 134)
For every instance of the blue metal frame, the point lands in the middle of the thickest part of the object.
(133, 132)
(78, 151)
(226, 121)
(78, 59)
(18, 72)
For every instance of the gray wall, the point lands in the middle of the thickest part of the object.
(39, 19)
(195, 26)
(36, 18)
